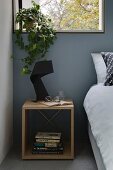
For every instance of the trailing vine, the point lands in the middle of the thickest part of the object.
(40, 35)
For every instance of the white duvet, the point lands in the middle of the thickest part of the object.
(98, 104)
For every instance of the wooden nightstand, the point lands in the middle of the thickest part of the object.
(26, 149)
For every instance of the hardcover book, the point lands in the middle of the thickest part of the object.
(48, 135)
(43, 152)
(60, 103)
(38, 150)
(48, 149)
(48, 140)
(47, 145)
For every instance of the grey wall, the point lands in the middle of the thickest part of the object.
(6, 79)
(73, 71)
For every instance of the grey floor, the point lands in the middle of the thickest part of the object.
(84, 160)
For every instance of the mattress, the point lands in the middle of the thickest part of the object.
(98, 105)
(96, 151)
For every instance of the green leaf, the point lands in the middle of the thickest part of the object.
(25, 71)
(40, 35)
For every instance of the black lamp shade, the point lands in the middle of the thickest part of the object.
(40, 69)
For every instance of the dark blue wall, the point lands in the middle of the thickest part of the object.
(73, 71)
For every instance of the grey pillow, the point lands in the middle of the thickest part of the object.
(100, 67)
(108, 58)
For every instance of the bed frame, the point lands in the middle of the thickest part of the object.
(96, 150)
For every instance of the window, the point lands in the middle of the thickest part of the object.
(73, 15)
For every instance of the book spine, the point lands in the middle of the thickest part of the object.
(48, 137)
(47, 140)
(48, 149)
(51, 144)
(37, 144)
(43, 152)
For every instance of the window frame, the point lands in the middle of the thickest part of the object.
(66, 31)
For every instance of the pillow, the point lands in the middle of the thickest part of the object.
(108, 58)
(105, 55)
(100, 67)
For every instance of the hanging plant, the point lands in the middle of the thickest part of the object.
(40, 35)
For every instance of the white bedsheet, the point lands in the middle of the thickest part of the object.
(98, 104)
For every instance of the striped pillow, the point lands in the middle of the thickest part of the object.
(108, 58)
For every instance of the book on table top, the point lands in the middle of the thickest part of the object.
(48, 135)
(60, 103)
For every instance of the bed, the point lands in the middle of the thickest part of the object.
(98, 105)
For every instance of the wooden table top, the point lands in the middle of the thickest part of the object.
(39, 105)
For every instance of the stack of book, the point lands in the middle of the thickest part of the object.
(47, 143)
